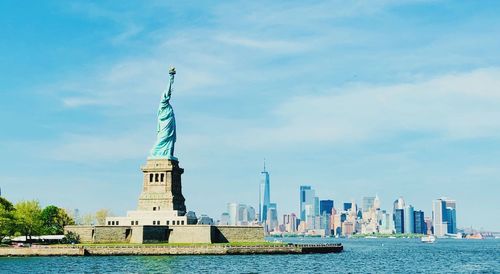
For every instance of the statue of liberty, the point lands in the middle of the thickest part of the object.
(166, 137)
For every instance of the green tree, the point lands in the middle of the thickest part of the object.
(54, 219)
(6, 218)
(28, 218)
(101, 215)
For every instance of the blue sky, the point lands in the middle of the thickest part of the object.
(356, 98)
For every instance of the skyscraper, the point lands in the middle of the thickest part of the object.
(368, 203)
(409, 219)
(439, 217)
(451, 216)
(419, 222)
(347, 206)
(306, 198)
(233, 211)
(325, 206)
(399, 220)
(264, 195)
(272, 220)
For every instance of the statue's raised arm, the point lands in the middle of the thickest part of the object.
(171, 72)
(166, 131)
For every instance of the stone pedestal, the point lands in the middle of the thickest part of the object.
(162, 189)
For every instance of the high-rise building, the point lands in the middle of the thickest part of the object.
(307, 196)
(290, 222)
(399, 203)
(439, 217)
(419, 222)
(233, 211)
(326, 206)
(264, 195)
(428, 225)
(386, 223)
(399, 220)
(347, 206)
(224, 219)
(368, 203)
(409, 219)
(272, 217)
(451, 216)
(376, 203)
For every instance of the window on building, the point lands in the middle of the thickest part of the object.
(117, 223)
(154, 222)
(151, 177)
(136, 222)
(154, 208)
(168, 222)
(156, 177)
(178, 222)
(109, 222)
(182, 222)
(131, 222)
(158, 222)
(113, 222)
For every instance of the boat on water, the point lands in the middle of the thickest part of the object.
(430, 239)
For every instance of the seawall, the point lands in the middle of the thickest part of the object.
(114, 250)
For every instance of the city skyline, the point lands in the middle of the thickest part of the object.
(395, 98)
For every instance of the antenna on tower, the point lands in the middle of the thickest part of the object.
(264, 164)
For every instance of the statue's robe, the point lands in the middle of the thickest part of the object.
(166, 136)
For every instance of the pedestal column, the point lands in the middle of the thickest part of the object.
(162, 189)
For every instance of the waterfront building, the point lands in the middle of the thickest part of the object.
(264, 195)
(451, 216)
(326, 206)
(399, 220)
(325, 222)
(386, 223)
(399, 203)
(409, 218)
(419, 222)
(451, 220)
(439, 217)
(307, 197)
(428, 226)
(368, 203)
(347, 228)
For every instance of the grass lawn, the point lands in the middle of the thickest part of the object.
(174, 244)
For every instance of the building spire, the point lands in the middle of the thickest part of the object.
(264, 164)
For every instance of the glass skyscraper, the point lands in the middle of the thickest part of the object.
(264, 195)
(307, 197)
(409, 219)
(419, 222)
(399, 220)
(347, 206)
(325, 206)
(439, 217)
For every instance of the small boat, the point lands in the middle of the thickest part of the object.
(430, 239)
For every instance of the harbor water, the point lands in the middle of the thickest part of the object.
(359, 256)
